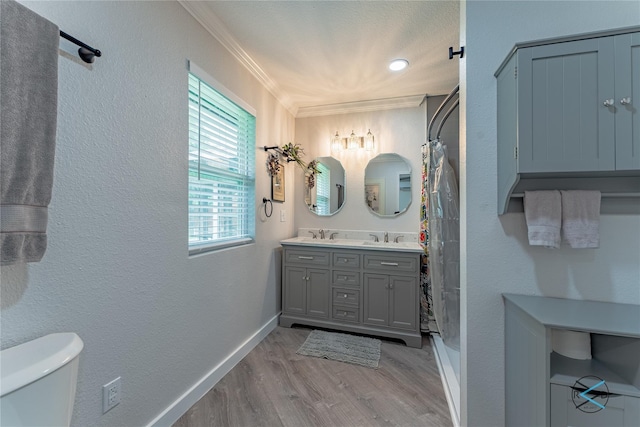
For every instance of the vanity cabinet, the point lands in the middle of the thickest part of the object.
(366, 291)
(567, 108)
(388, 300)
(308, 288)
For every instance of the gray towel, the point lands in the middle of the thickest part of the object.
(543, 213)
(29, 93)
(581, 218)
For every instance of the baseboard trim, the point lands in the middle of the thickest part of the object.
(170, 415)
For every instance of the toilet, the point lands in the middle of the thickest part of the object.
(38, 381)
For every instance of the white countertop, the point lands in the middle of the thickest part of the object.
(578, 315)
(354, 244)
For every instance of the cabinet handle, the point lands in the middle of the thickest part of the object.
(625, 101)
(304, 257)
(608, 102)
(395, 264)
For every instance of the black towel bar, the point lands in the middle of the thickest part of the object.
(86, 52)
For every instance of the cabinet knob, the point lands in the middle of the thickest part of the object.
(345, 295)
(608, 102)
(625, 101)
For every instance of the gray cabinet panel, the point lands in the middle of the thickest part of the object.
(376, 299)
(294, 293)
(318, 293)
(627, 101)
(346, 314)
(570, 129)
(346, 278)
(306, 257)
(391, 263)
(403, 312)
(346, 260)
(346, 296)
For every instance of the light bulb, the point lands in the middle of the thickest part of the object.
(354, 144)
(368, 141)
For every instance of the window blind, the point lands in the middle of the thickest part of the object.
(323, 180)
(221, 170)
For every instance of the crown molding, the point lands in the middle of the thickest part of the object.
(361, 106)
(217, 28)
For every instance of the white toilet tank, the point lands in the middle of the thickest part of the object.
(38, 381)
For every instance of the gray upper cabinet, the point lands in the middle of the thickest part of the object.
(567, 115)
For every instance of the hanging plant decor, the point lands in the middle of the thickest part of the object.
(273, 164)
(293, 153)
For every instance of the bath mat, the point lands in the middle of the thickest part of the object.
(342, 347)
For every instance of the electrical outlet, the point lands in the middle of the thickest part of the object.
(111, 395)
(283, 215)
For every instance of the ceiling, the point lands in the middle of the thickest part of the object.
(316, 55)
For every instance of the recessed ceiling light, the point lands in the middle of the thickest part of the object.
(398, 64)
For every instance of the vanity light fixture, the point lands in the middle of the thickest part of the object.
(352, 143)
(398, 64)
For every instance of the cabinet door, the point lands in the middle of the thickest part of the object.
(294, 292)
(403, 302)
(318, 292)
(627, 101)
(564, 125)
(376, 299)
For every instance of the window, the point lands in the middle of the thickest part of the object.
(323, 180)
(221, 168)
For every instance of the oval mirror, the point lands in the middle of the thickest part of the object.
(387, 185)
(324, 189)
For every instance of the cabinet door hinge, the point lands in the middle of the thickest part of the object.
(515, 153)
(515, 72)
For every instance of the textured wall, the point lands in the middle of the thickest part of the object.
(401, 131)
(496, 257)
(117, 270)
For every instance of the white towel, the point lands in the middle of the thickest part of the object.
(542, 211)
(580, 218)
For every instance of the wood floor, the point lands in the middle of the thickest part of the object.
(274, 386)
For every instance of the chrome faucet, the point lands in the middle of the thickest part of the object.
(375, 238)
(314, 234)
(321, 232)
(386, 237)
(396, 240)
(332, 235)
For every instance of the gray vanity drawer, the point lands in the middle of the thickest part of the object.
(346, 260)
(349, 314)
(391, 263)
(346, 278)
(301, 256)
(345, 296)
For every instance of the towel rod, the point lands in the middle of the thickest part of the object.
(86, 52)
(521, 195)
